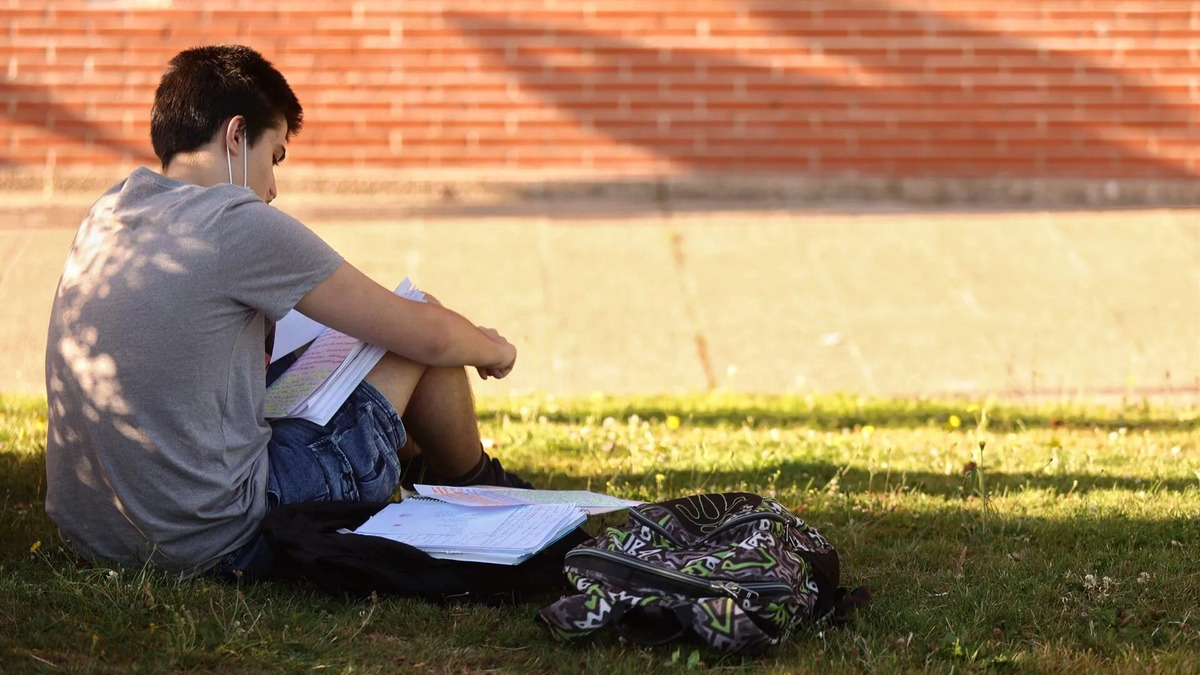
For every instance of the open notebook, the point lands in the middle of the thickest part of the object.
(504, 535)
(325, 375)
(487, 524)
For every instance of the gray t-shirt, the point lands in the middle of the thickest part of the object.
(156, 446)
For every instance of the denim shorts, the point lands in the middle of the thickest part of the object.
(350, 459)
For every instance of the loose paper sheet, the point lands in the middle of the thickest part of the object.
(477, 495)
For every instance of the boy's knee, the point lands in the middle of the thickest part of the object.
(396, 377)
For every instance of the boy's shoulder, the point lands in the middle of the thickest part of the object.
(146, 195)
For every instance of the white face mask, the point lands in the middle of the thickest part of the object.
(229, 162)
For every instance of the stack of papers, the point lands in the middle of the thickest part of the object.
(491, 525)
(325, 375)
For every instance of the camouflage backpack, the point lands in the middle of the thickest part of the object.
(738, 570)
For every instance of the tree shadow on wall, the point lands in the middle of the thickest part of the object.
(34, 107)
(705, 110)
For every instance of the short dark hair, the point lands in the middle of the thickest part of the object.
(204, 87)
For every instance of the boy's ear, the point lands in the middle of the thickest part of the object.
(235, 129)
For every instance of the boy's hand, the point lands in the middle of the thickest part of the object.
(508, 356)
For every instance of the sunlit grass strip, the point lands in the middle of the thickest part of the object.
(835, 412)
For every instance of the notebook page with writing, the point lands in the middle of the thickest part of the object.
(316, 385)
(505, 534)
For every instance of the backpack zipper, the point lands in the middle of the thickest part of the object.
(732, 522)
(737, 590)
(645, 520)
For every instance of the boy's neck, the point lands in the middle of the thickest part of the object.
(198, 167)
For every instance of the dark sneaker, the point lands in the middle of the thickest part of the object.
(489, 472)
(414, 471)
(507, 478)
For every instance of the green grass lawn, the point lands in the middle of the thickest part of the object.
(1053, 538)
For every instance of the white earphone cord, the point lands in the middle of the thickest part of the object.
(245, 165)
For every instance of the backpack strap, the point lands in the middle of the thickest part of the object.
(651, 625)
(838, 606)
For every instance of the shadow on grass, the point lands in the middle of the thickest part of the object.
(816, 475)
(23, 519)
(22, 477)
(832, 413)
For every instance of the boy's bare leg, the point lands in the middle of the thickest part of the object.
(438, 411)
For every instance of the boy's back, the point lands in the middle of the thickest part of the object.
(154, 368)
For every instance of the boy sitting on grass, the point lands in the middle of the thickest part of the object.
(157, 448)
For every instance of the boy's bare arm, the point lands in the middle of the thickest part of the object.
(427, 333)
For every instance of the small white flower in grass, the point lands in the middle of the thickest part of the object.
(1143, 578)
(1089, 581)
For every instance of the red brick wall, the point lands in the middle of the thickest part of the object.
(1056, 88)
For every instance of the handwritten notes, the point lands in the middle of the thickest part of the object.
(321, 380)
